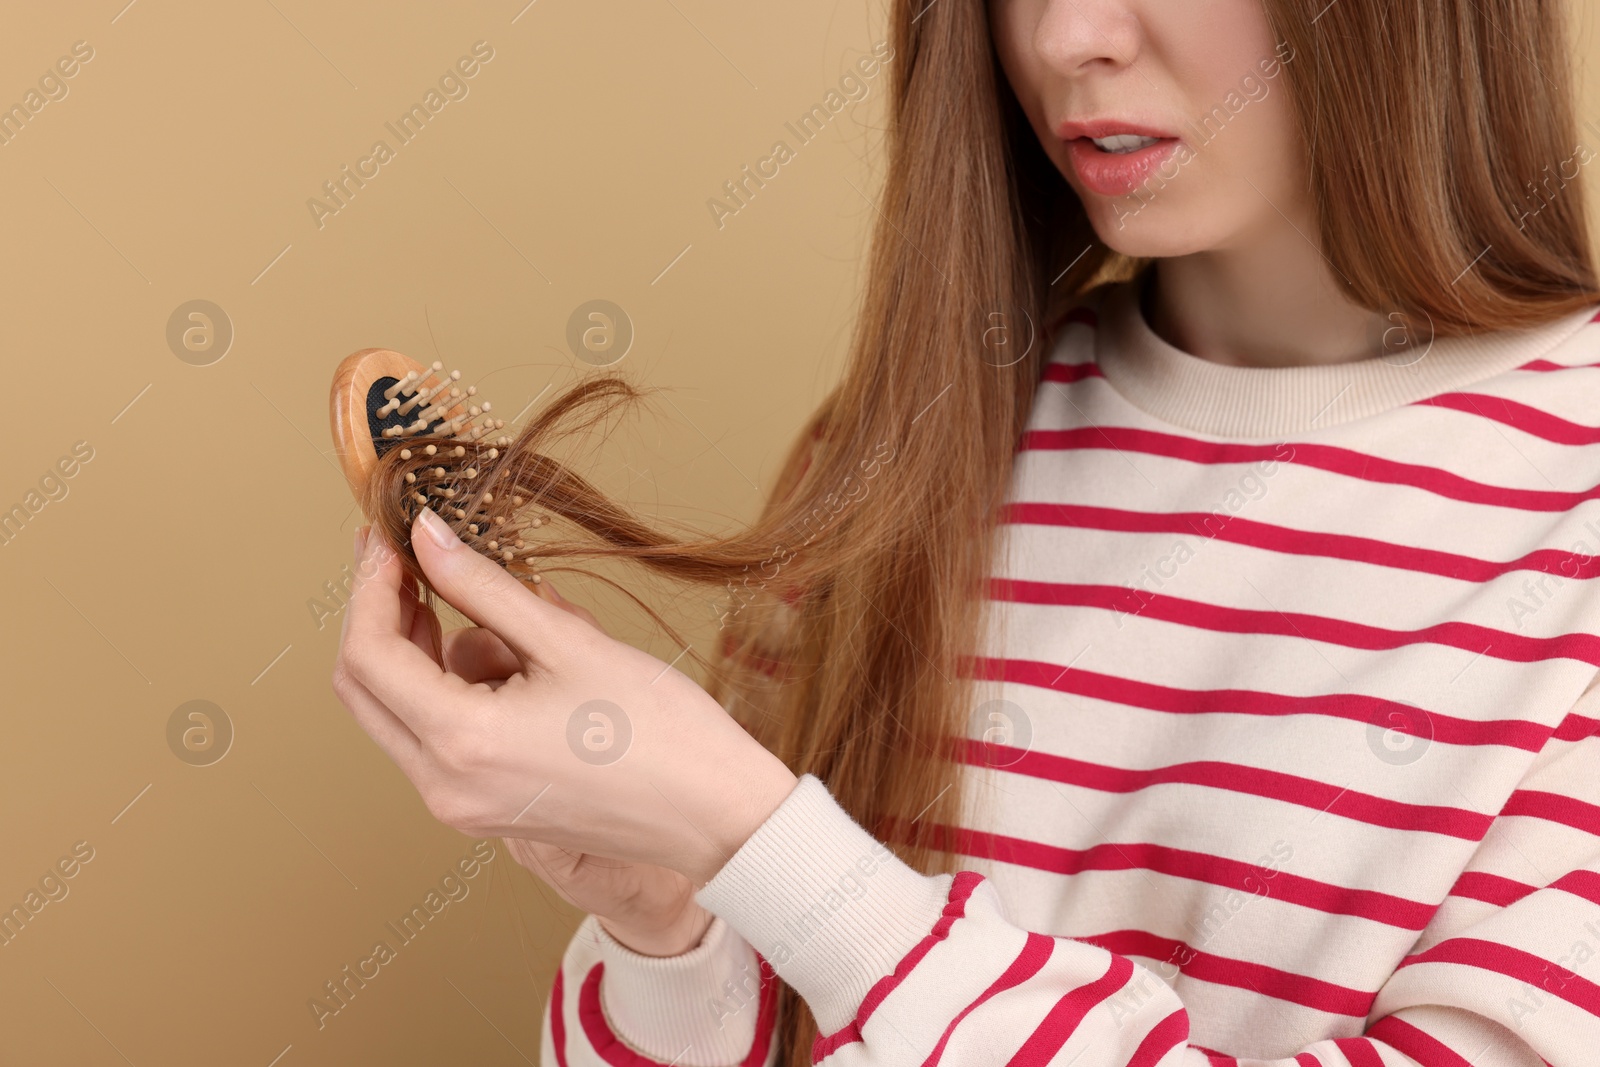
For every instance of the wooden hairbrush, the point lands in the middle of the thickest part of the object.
(450, 447)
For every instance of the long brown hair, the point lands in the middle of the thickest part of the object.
(853, 600)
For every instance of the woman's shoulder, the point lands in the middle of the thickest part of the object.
(1551, 368)
(1083, 309)
(1568, 343)
(1069, 329)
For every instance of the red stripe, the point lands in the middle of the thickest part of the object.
(593, 1017)
(1489, 888)
(1070, 372)
(1545, 364)
(1359, 1051)
(1192, 866)
(558, 1019)
(1217, 1059)
(611, 1048)
(1496, 889)
(1234, 778)
(1515, 964)
(1484, 640)
(1286, 540)
(823, 1047)
(1553, 807)
(1068, 1012)
(1529, 420)
(1306, 1059)
(1034, 953)
(1353, 707)
(1239, 974)
(961, 889)
(1163, 1037)
(1423, 1047)
(1341, 461)
(766, 1014)
(1576, 727)
(1584, 884)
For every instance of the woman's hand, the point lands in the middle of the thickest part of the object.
(649, 909)
(584, 743)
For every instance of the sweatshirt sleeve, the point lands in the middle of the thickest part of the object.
(713, 1006)
(902, 968)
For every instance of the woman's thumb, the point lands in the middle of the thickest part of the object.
(477, 587)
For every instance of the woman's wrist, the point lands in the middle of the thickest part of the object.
(681, 934)
(741, 809)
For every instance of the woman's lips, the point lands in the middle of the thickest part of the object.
(1117, 173)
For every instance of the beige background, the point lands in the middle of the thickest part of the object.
(180, 563)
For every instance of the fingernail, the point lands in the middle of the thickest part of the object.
(437, 531)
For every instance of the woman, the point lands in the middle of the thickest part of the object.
(1228, 648)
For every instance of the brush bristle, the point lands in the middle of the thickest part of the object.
(452, 463)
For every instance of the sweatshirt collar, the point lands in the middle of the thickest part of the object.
(1266, 402)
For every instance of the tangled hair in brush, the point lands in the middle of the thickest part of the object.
(516, 504)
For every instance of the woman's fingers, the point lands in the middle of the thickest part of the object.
(568, 606)
(478, 655)
(551, 865)
(484, 592)
(392, 735)
(544, 860)
(376, 652)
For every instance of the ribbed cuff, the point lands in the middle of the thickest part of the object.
(829, 907)
(696, 1009)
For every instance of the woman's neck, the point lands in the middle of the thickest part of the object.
(1272, 303)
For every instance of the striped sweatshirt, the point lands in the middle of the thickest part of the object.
(1283, 748)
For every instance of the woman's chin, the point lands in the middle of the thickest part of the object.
(1152, 234)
